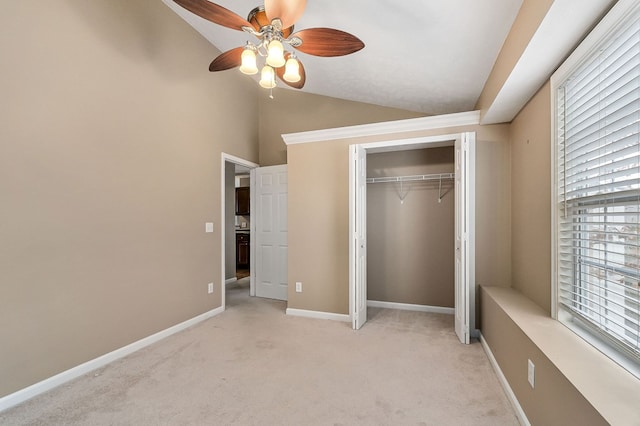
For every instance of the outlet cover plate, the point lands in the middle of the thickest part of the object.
(531, 373)
(298, 287)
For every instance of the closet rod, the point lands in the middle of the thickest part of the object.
(436, 176)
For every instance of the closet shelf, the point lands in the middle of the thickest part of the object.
(436, 176)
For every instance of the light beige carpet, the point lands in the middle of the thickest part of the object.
(255, 365)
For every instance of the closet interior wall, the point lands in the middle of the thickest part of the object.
(410, 234)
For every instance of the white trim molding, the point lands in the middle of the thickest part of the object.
(522, 417)
(376, 129)
(43, 386)
(230, 280)
(318, 315)
(410, 307)
(237, 160)
(223, 253)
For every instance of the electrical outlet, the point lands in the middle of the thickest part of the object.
(208, 227)
(531, 373)
(298, 287)
(210, 288)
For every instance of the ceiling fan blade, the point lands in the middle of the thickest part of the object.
(214, 13)
(303, 74)
(227, 60)
(327, 42)
(289, 11)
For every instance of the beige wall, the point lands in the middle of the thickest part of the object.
(410, 235)
(319, 216)
(531, 199)
(110, 143)
(318, 211)
(292, 111)
(554, 401)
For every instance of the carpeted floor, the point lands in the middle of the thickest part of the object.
(255, 365)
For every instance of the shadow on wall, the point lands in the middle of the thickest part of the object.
(136, 30)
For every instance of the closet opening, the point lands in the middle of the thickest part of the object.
(411, 228)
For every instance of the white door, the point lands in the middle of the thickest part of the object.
(270, 221)
(463, 264)
(358, 234)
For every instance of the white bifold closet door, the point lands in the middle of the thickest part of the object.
(358, 157)
(462, 283)
(464, 231)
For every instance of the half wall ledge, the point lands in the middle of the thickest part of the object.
(574, 382)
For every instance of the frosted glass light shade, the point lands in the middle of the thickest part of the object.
(248, 62)
(268, 77)
(275, 57)
(292, 70)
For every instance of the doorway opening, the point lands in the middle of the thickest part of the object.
(236, 216)
(455, 177)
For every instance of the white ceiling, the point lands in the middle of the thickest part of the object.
(428, 56)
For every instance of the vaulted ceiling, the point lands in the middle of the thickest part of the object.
(427, 56)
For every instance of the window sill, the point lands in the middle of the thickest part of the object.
(610, 389)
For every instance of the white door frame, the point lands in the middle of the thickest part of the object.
(223, 217)
(468, 215)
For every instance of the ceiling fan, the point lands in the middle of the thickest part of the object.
(272, 25)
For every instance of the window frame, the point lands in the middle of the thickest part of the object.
(617, 16)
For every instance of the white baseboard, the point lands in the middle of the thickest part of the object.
(318, 315)
(230, 280)
(36, 389)
(410, 307)
(522, 417)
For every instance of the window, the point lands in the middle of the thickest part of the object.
(597, 185)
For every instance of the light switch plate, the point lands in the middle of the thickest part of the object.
(208, 227)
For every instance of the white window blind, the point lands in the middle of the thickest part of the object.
(598, 186)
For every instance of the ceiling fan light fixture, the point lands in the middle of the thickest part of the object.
(292, 70)
(272, 25)
(248, 61)
(268, 77)
(275, 57)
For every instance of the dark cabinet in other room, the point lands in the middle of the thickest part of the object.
(242, 250)
(242, 201)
